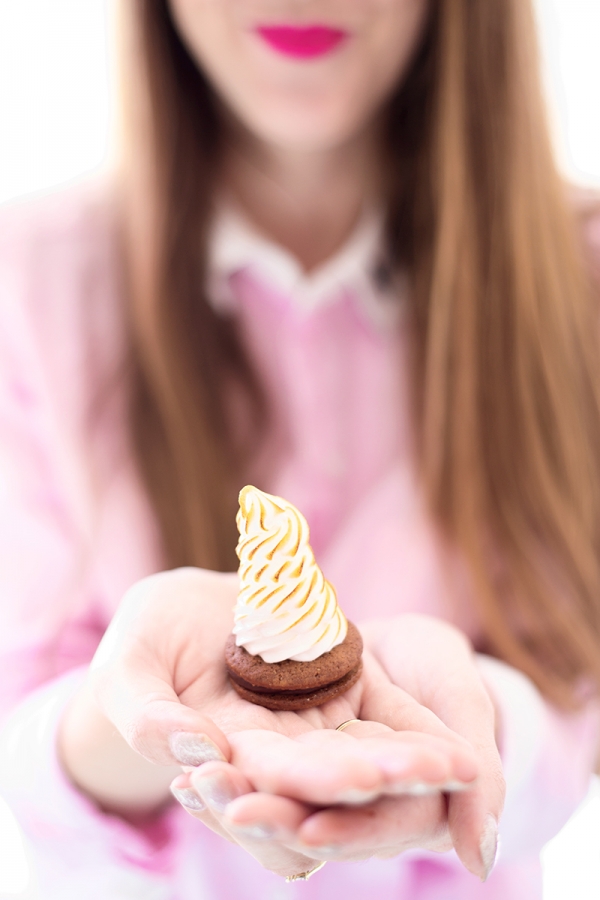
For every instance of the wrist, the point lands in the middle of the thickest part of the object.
(100, 764)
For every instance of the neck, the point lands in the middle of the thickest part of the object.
(306, 201)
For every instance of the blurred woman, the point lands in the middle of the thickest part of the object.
(339, 262)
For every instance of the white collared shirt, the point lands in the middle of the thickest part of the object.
(236, 244)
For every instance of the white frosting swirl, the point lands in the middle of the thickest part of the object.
(286, 609)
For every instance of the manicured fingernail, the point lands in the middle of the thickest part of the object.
(328, 851)
(215, 790)
(188, 798)
(356, 796)
(488, 847)
(415, 789)
(422, 789)
(450, 787)
(191, 749)
(256, 832)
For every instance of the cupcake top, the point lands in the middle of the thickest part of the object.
(286, 609)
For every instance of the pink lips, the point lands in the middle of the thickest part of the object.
(302, 42)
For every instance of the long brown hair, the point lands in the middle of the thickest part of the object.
(506, 399)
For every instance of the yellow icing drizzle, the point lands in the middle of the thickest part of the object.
(286, 608)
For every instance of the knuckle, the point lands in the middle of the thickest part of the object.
(499, 782)
(145, 594)
(136, 733)
(441, 840)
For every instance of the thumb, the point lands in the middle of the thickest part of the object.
(131, 675)
(149, 715)
(473, 816)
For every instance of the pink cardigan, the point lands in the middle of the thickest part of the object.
(76, 531)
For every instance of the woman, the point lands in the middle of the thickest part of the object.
(339, 263)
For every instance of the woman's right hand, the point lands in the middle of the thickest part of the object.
(272, 828)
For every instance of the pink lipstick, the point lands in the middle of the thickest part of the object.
(306, 42)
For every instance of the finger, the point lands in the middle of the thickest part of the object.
(329, 767)
(437, 666)
(135, 689)
(410, 761)
(219, 785)
(473, 818)
(183, 791)
(267, 816)
(321, 773)
(464, 705)
(390, 825)
(383, 701)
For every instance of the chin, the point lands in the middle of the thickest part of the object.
(305, 130)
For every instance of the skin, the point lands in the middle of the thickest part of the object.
(427, 720)
(302, 131)
(287, 787)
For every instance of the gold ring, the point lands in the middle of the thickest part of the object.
(304, 876)
(345, 724)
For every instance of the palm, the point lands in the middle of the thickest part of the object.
(170, 633)
(213, 694)
(159, 672)
(196, 621)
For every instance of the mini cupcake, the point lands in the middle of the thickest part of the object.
(291, 647)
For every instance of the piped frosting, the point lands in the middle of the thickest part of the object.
(286, 609)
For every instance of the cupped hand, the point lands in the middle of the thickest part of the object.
(159, 676)
(289, 837)
(436, 663)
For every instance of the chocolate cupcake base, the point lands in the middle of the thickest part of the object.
(293, 685)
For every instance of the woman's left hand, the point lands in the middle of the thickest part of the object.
(444, 698)
(434, 662)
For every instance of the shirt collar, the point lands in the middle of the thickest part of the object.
(356, 268)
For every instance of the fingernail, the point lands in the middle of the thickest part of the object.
(488, 847)
(257, 832)
(328, 851)
(356, 796)
(415, 789)
(188, 798)
(423, 789)
(191, 749)
(453, 786)
(215, 791)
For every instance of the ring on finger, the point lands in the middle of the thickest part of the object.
(345, 724)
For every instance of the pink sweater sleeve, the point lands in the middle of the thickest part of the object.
(60, 578)
(54, 606)
(47, 615)
(74, 531)
(548, 757)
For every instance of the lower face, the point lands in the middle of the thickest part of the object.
(302, 74)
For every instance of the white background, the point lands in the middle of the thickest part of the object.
(55, 89)
(56, 109)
